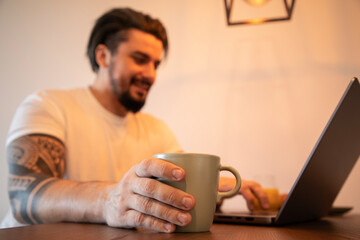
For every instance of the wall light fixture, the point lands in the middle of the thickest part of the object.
(239, 12)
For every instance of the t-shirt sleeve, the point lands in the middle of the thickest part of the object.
(37, 114)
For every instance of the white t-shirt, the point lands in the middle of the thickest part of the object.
(100, 146)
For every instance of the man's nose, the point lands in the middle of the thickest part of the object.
(150, 72)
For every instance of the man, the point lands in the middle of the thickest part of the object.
(77, 155)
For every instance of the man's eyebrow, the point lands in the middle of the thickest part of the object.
(146, 56)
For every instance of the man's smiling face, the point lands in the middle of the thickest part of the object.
(132, 68)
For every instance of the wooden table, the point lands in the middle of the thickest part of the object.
(344, 227)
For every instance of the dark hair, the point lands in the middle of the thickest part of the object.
(111, 29)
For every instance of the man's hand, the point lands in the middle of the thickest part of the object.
(249, 189)
(139, 200)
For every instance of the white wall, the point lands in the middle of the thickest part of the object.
(258, 96)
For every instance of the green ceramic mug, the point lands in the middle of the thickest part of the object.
(201, 181)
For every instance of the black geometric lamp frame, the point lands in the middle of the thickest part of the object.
(228, 8)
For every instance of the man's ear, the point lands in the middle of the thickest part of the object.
(102, 56)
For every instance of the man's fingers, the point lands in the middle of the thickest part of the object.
(249, 197)
(138, 219)
(253, 193)
(154, 167)
(157, 209)
(142, 201)
(261, 195)
(159, 191)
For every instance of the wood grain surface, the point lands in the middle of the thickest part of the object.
(343, 227)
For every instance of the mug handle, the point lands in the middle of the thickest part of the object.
(235, 190)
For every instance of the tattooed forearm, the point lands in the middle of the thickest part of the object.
(23, 194)
(34, 163)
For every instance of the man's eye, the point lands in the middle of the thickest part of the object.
(140, 60)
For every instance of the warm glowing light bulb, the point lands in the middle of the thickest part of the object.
(256, 21)
(256, 3)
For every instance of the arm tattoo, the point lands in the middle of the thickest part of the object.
(35, 161)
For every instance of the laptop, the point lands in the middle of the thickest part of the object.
(324, 172)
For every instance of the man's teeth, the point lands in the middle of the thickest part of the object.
(144, 86)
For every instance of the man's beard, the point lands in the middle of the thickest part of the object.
(125, 98)
(129, 103)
